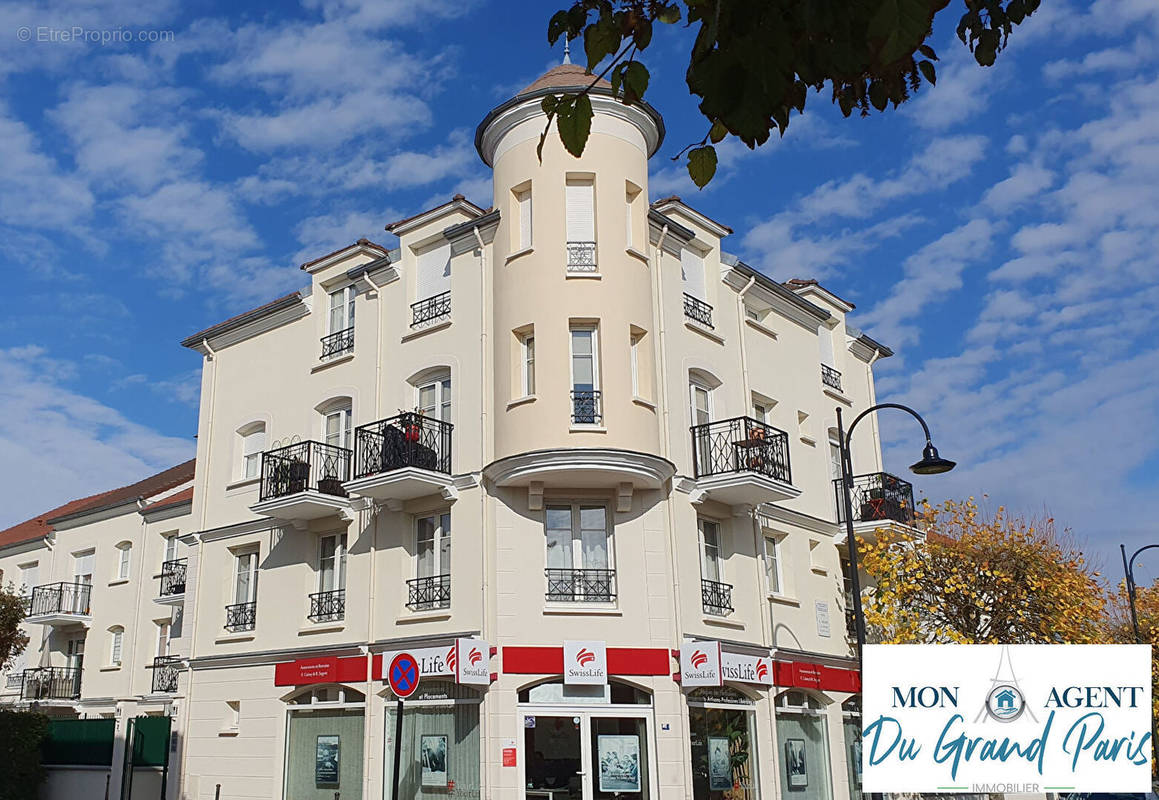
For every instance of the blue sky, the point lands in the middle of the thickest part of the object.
(1000, 232)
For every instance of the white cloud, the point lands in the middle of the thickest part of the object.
(35, 191)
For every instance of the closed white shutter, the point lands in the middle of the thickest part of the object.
(83, 571)
(825, 339)
(525, 219)
(692, 268)
(434, 272)
(581, 220)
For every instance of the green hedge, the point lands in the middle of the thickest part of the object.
(21, 734)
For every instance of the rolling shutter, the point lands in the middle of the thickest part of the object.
(581, 221)
(434, 272)
(692, 268)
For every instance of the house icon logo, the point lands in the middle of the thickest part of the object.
(1005, 703)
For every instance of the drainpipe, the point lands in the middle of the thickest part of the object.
(872, 393)
(377, 349)
(744, 359)
(486, 449)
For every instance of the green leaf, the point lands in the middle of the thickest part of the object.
(928, 70)
(642, 33)
(928, 52)
(635, 81)
(601, 39)
(557, 26)
(669, 15)
(575, 125)
(548, 104)
(878, 95)
(617, 78)
(702, 165)
(718, 131)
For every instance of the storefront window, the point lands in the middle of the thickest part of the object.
(324, 745)
(804, 747)
(724, 763)
(440, 742)
(851, 710)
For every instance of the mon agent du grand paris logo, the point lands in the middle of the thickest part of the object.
(1022, 718)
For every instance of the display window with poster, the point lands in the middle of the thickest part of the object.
(723, 745)
(440, 741)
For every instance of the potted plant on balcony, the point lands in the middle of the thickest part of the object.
(413, 426)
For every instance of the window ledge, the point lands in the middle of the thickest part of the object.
(591, 276)
(582, 609)
(247, 636)
(723, 622)
(640, 401)
(838, 396)
(227, 732)
(110, 668)
(119, 582)
(809, 440)
(438, 326)
(242, 484)
(760, 326)
(520, 401)
(819, 570)
(332, 362)
(703, 331)
(636, 254)
(587, 429)
(322, 627)
(424, 616)
(518, 254)
(784, 599)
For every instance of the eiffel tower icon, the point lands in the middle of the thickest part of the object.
(1004, 680)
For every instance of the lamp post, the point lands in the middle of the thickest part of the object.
(1129, 572)
(930, 464)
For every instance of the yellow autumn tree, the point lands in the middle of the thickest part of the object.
(981, 578)
(1120, 630)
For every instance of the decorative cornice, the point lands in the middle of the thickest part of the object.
(649, 470)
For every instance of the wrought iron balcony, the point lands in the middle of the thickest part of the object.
(165, 672)
(716, 598)
(585, 407)
(878, 497)
(241, 617)
(697, 310)
(431, 310)
(741, 444)
(831, 377)
(338, 343)
(408, 440)
(581, 585)
(173, 577)
(59, 601)
(328, 606)
(424, 594)
(581, 256)
(51, 683)
(305, 467)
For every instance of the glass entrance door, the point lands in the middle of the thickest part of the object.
(553, 748)
(585, 754)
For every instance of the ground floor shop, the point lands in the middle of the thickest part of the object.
(574, 721)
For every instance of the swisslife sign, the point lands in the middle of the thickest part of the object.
(585, 663)
(706, 664)
(465, 660)
(1007, 718)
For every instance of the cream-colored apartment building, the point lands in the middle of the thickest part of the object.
(568, 452)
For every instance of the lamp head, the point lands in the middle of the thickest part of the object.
(932, 463)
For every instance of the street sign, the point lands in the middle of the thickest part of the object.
(403, 675)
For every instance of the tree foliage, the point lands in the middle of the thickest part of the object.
(753, 61)
(1120, 630)
(982, 579)
(12, 639)
(21, 735)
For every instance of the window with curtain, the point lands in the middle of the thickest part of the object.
(433, 276)
(253, 442)
(710, 560)
(337, 425)
(342, 309)
(434, 398)
(332, 563)
(83, 567)
(448, 724)
(170, 547)
(578, 536)
(433, 546)
(245, 587)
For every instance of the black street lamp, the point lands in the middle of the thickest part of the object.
(930, 464)
(1129, 571)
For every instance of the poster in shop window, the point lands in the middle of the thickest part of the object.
(795, 767)
(719, 764)
(326, 760)
(433, 751)
(619, 763)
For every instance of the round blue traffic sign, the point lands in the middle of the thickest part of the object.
(403, 675)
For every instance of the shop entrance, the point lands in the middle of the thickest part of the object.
(587, 743)
(324, 743)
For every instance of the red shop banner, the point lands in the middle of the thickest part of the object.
(804, 675)
(324, 669)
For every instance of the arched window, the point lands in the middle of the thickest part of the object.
(337, 422)
(116, 642)
(251, 443)
(433, 393)
(124, 556)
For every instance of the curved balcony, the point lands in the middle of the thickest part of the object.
(60, 604)
(303, 481)
(879, 500)
(401, 458)
(742, 461)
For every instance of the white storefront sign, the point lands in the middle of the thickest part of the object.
(1007, 718)
(739, 668)
(441, 662)
(700, 664)
(585, 663)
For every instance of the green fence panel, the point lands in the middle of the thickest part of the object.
(79, 742)
(151, 742)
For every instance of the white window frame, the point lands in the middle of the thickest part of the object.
(343, 411)
(773, 555)
(29, 576)
(338, 565)
(240, 558)
(595, 354)
(79, 562)
(693, 386)
(718, 557)
(694, 274)
(252, 440)
(577, 551)
(170, 551)
(573, 188)
(124, 561)
(438, 538)
(634, 358)
(442, 408)
(527, 363)
(164, 638)
(116, 645)
(342, 302)
(524, 216)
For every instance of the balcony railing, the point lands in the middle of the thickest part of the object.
(51, 683)
(581, 585)
(328, 606)
(60, 598)
(581, 256)
(408, 440)
(165, 671)
(241, 617)
(741, 444)
(305, 466)
(338, 343)
(423, 594)
(831, 377)
(430, 310)
(697, 310)
(173, 577)
(878, 497)
(585, 407)
(716, 598)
